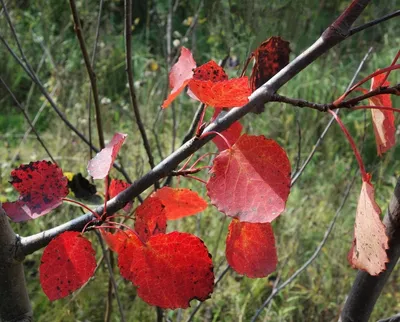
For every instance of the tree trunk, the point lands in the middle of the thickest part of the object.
(14, 300)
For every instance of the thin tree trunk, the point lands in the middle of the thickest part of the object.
(14, 300)
(366, 288)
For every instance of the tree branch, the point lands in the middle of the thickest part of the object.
(129, 71)
(262, 95)
(366, 288)
(89, 68)
(14, 300)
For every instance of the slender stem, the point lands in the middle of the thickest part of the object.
(221, 136)
(392, 64)
(374, 22)
(62, 116)
(18, 105)
(353, 146)
(313, 256)
(129, 70)
(89, 68)
(82, 205)
(111, 274)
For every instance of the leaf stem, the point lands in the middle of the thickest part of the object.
(364, 174)
(83, 206)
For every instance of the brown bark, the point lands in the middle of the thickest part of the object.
(14, 300)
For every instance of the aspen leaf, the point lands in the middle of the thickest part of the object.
(250, 249)
(117, 186)
(41, 185)
(180, 202)
(383, 120)
(180, 75)
(368, 252)
(251, 181)
(170, 270)
(67, 263)
(101, 164)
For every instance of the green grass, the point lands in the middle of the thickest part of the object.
(319, 292)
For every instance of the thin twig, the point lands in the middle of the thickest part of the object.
(18, 105)
(111, 274)
(313, 256)
(220, 277)
(89, 68)
(36, 80)
(374, 22)
(129, 71)
(94, 52)
(322, 136)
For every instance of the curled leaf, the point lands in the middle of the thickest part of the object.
(101, 164)
(180, 75)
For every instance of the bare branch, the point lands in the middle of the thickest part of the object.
(321, 138)
(276, 290)
(374, 22)
(89, 68)
(18, 105)
(129, 70)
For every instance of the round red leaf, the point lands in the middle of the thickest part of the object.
(180, 202)
(251, 181)
(150, 218)
(170, 270)
(250, 249)
(67, 263)
(210, 71)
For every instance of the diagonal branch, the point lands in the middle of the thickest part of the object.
(336, 33)
(89, 67)
(129, 71)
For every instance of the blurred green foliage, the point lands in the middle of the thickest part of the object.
(224, 26)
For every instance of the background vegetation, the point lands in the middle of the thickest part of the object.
(225, 26)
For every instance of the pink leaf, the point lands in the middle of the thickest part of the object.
(383, 120)
(180, 75)
(101, 164)
(251, 181)
(370, 241)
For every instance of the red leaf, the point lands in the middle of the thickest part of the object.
(250, 249)
(180, 75)
(270, 57)
(117, 186)
(228, 93)
(383, 121)
(150, 218)
(180, 202)
(101, 164)
(67, 263)
(232, 134)
(170, 270)
(370, 241)
(210, 71)
(41, 185)
(116, 240)
(251, 181)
